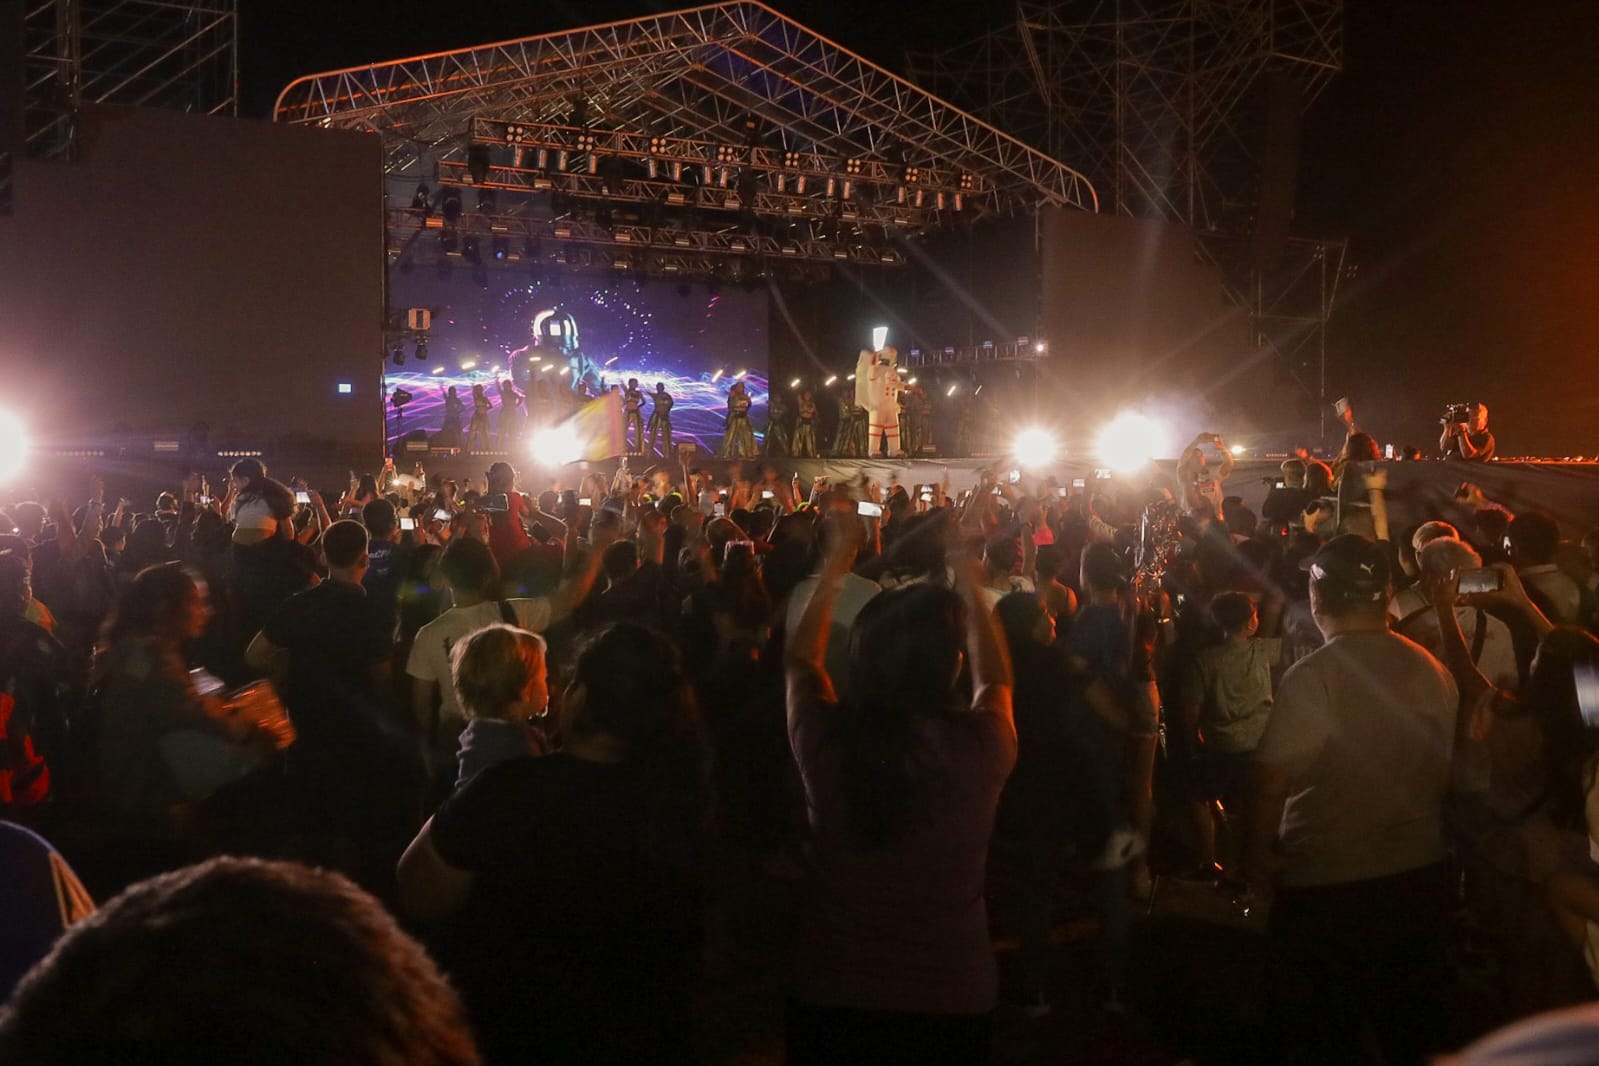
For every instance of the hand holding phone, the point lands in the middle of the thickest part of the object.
(868, 509)
(407, 523)
(1479, 580)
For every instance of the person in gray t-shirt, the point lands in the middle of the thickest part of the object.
(1353, 771)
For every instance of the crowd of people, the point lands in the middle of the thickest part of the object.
(557, 737)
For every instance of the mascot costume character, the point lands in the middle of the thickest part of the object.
(877, 388)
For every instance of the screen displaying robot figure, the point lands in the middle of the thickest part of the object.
(537, 350)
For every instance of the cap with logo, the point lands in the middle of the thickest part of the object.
(1351, 568)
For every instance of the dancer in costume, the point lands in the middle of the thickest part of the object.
(661, 421)
(633, 409)
(477, 434)
(805, 427)
(777, 442)
(739, 440)
(512, 415)
(454, 411)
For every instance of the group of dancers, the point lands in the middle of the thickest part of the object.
(876, 410)
(544, 405)
(853, 438)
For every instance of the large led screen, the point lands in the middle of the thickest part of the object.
(539, 347)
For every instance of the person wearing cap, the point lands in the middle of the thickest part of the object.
(1468, 440)
(1353, 770)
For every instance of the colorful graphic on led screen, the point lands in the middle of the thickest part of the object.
(558, 343)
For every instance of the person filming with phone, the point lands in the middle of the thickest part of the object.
(1465, 434)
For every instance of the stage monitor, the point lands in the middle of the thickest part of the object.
(543, 345)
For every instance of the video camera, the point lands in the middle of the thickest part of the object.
(1458, 413)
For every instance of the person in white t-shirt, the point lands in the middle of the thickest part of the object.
(473, 576)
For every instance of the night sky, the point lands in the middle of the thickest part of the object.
(1458, 150)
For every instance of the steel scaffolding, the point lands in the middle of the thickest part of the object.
(142, 53)
(721, 126)
(1163, 103)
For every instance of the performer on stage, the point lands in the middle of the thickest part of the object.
(805, 427)
(477, 434)
(777, 442)
(845, 397)
(511, 415)
(877, 387)
(661, 421)
(454, 411)
(739, 440)
(633, 408)
(918, 412)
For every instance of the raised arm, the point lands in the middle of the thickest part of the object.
(805, 664)
(985, 646)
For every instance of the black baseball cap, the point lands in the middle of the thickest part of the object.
(1350, 567)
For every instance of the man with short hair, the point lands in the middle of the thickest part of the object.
(1352, 774)
(1468, 440)
(1534, 539)
(387, 562)
(353, 769)
(1285, 504)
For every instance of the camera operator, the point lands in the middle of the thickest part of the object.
(1465, 434)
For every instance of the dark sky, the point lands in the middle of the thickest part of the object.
(1458, 150)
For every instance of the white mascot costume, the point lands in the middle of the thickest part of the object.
(877, 388)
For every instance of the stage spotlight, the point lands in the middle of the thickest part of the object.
(398, 353)
(1035, 447)
(470, 251)
(1130, 441)
(717, 376)
(422, 350)
(556, 446)
(451, 206)
(1238, 449)
(501, 249)
(468, 364)
(438, 369)
(14, 446)
(487, 202)
(953, 389)
(420, 201)
(794, 384)
(832, 378)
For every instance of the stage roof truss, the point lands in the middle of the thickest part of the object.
(695, 77)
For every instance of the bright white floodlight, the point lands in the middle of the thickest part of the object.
(1035, 447)
(13, 446)
(1129, 441)
(556, 446)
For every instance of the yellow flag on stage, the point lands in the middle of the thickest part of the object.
(599, 428)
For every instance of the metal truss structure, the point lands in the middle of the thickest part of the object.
(1164, 104)
(181, 56)
(1158, 99)
(691, 136)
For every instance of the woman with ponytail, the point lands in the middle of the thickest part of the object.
(565, 888)
(893, 959)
